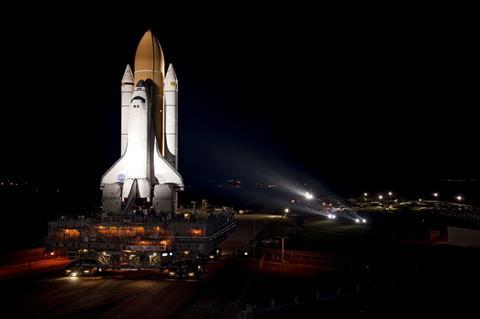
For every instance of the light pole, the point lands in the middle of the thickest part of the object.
(194, 204)
(254, 235)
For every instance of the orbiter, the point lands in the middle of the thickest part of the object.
(146, 176)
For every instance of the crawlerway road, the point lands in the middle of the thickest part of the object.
(118, 295)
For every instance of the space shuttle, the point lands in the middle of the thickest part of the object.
(146, 176)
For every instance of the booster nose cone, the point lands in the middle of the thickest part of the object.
(171, 75)
(127, 76)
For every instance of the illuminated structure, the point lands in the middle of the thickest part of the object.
(139, 225)
(138, 241)
(146, 177)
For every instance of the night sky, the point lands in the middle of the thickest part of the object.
(350, 100)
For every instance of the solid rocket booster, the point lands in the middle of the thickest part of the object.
(146, 172)
(127, 91)
(171, 116)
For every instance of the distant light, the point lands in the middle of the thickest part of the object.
(364, 220)
(286, 210)
(365, 194)
(308, 195)
(390, 193)
(380, 197)
(246, 253)
(330, 204)
(435, 195)
(292, 201)
(419, 199)
(459, 198)
(324, 204)
(164, 254)
(357, 220)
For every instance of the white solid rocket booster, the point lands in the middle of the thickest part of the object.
(127, 91)
(171, 116)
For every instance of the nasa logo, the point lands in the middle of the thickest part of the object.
(121, 177)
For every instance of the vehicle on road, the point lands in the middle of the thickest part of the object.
(84, 267)
(214, 255)
(185, 269)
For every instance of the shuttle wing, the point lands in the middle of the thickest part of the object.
(163, 171)
(116, 173)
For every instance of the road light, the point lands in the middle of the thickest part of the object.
(380, 197)
(286, 210)
(365, 194)
(435, 195)
(308, 196)
(390, 193)
(459, 198)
